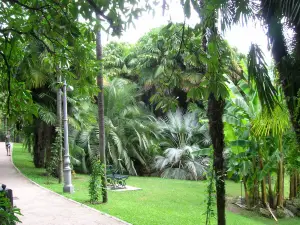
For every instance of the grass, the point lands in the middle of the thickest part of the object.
(160, 202)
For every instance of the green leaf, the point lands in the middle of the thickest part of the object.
(240, 143)
(160, 70)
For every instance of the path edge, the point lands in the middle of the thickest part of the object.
(71, 200)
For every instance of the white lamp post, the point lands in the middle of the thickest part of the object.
(68, 187)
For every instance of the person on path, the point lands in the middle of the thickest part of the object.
(7, 144)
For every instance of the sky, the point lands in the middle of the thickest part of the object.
(238, 36)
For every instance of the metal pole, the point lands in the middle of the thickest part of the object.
(59, 126)
(68, 187)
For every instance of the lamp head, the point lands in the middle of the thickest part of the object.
(70, 88)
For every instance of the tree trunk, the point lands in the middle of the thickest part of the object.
(255, 188)
(38, 150)
(271, 196)
(43, 137)
(101, 111)
(280, 180)
(246, 192)
(29, 144)
(292, 185)
(59, 129)
(216, 129)
(280, 187)
(297, 184)
(263, 182)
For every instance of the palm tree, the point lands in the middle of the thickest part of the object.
(130, 131)
(209, 12)
(101, 110)
(275, 126)
(186, 142)
(277, 15)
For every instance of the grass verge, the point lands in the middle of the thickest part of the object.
(160, 202)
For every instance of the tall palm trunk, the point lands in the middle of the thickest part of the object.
(59, 130)
(216, 129)
(101, 111)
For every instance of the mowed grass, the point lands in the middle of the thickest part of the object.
(160, 202)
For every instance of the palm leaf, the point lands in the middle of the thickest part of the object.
(258, 72)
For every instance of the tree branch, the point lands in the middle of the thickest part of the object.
(27, 6)
(31, 33)
(99, 12)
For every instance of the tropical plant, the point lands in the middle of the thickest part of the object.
(95, 183)
(275, 125)
(186, 143)
(216, 90)
(8, 213)
(130, 131)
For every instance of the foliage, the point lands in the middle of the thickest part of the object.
(130, 131)
(182, 136)
(52, 165)
(95, 186)
(8, 214)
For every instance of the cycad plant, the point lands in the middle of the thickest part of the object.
(186, 143)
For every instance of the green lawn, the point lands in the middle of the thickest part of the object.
(160, 202)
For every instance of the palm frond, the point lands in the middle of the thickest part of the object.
(258, 72)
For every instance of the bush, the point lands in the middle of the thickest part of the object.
(7, 212)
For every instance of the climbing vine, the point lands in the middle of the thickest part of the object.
(52, 165)
(95, 187)
(210, 201)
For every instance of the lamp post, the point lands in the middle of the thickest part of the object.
(68, 187)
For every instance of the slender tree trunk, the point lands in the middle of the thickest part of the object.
(216, 130)
(59, 129)
(280, 187)
(297, 184)
(255, 187)
(101, 111)
(292, 185)
(246, 192)
(270, 194)
(29, 145)
(263, 183)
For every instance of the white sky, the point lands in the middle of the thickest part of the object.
(239, 36)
